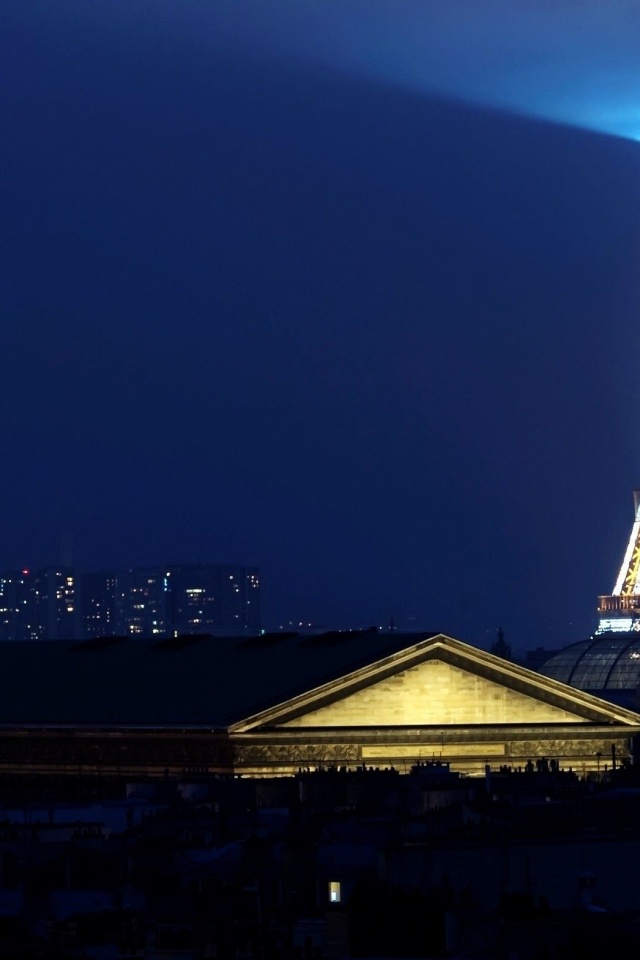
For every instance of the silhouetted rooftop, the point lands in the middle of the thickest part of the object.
(199, 680)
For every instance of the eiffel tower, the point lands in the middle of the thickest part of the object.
(620, 611)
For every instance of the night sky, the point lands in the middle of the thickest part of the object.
(349, 291)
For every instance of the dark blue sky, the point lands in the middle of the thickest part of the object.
(280, 309)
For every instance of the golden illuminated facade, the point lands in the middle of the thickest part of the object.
(272, 705)
(438, 699)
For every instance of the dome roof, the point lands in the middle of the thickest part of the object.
(608, 662)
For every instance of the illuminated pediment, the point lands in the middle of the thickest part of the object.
(434, 693)
(439, 682)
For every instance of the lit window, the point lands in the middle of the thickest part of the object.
(334, 891)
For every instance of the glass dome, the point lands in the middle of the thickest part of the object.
(608, 662)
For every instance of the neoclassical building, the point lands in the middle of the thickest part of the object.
(272, 705)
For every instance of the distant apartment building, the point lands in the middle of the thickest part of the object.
(197, 598)
(16, 609)
(98, 605)
(41, 604)
(54, 604)
(142, 603)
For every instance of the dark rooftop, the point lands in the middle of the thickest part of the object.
(184, 681)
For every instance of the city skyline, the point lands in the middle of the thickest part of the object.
(61, 603)
(319, 327)
(265, 298)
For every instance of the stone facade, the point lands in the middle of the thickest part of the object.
(434, 693)
(436, 700)
(441, 700)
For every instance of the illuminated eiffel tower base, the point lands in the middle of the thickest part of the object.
(620, 611)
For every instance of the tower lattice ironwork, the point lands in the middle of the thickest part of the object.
(619, 611)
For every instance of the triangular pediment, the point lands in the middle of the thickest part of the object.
(434, 693)
(439, 682)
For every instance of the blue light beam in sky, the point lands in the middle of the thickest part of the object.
(575, 62)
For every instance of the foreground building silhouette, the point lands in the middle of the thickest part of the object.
(273, 705)
(329, 864)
